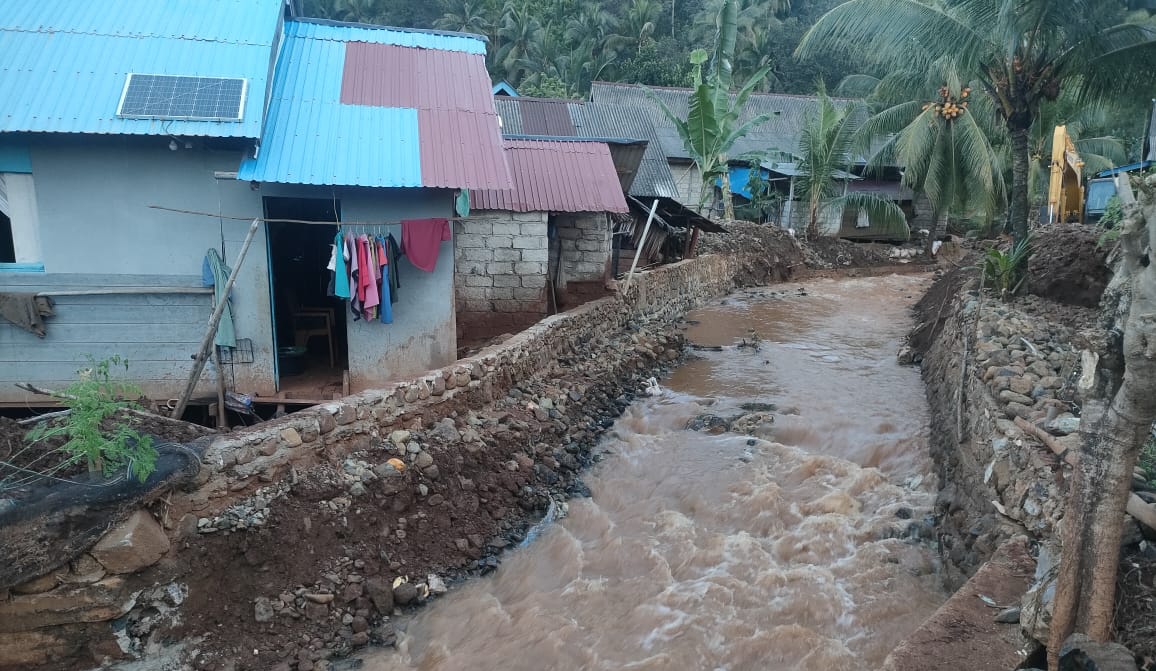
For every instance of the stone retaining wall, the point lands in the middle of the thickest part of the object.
(58, 616)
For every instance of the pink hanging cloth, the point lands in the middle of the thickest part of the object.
(421, 239)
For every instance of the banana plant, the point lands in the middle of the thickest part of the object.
(713, 122)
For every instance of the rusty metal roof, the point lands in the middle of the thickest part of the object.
(597, 120)
(557, 176)
(356, 105)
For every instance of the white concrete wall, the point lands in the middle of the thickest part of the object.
(582, 246)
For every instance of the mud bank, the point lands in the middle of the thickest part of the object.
(299, 538)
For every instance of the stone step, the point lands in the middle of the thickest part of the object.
(964, 629)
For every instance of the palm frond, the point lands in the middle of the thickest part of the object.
(882, 213)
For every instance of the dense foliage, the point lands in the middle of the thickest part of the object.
(556, 48)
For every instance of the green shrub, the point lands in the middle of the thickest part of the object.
(1006, 271)
(92, 399)
(1109, 223)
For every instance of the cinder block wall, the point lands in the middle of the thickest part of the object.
(582, 245)
(500, 272)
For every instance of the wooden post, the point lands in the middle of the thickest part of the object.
(641, 242)
(693, 242)
(222, 417)
(211, 332)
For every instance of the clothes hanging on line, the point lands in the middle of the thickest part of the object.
(363, 269)
(422, 239)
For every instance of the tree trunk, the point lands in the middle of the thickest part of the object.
(728, 201)
(813, 220)
(1116, 421)
(1018, 210)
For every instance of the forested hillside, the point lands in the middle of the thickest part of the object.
(555, 48)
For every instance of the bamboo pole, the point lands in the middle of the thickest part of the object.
(641, 242)
(211, 332)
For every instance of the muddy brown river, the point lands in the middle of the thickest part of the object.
(791, 550)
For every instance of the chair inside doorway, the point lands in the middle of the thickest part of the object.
(312, 348)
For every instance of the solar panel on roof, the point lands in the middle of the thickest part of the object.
(186, 98)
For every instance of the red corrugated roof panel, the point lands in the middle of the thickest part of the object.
(556, 176)
(458, 132)
(546, 117)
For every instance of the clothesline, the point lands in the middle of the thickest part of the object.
(290, 221)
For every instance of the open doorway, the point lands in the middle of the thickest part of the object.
(309, 324)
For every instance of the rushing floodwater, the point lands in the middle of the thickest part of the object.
(702, 551)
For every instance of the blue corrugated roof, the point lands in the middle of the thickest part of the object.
(400, 37)
(309, 129)
(312, 137)
(64, 62)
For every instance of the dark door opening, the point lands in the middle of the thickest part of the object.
(309, 324)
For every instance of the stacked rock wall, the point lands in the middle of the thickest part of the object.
(127, 576)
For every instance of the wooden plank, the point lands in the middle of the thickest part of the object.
(87, 313)
(95, 281)
(137, 301)
(59, 334)
(136, 353)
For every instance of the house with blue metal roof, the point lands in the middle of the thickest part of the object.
(137, 136)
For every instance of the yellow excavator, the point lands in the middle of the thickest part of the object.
(1065, 187)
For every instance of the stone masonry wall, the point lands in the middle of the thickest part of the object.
(62, 615)
(500, 272)
(582, 245)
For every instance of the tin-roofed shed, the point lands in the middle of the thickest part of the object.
(545, 244)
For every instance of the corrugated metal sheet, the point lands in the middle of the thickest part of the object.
(64, 62)
(556, 176)
(401, 37)
(546, 117)
(788, 116)
(346, 112)
(600, 120)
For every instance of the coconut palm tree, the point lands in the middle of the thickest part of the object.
(829, 143)
(1020, 52)
(470, 16)
(944, 137)
(519, 33)
(636, 27)
(712, 126)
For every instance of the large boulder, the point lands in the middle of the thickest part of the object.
(132, 545)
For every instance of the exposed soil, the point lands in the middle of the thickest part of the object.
(1136, 604)
(933, 310)
(1068, 266)
(778, 255)
(485, 488)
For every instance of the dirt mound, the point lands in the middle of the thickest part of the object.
(835, 253)
(1067, 266)
(774, 255)
(934, 308)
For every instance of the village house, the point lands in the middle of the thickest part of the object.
(776, 141)
(646, 180)
(125, 124)
(531, 251)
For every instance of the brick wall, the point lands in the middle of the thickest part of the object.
(500, 272)
(582, 246)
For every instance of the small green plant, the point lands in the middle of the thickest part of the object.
(1110, 222)
(1006, 271)
(1148, 460)
(93, 398)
